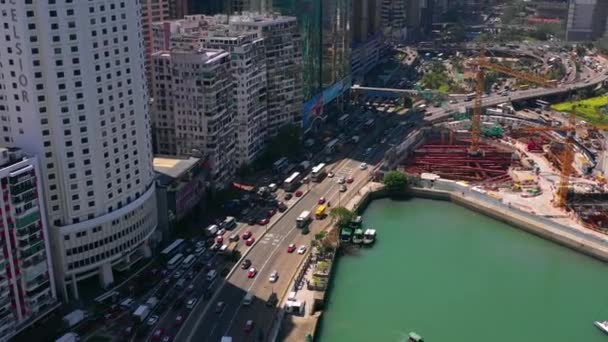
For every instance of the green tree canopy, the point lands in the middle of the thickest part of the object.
(395, 181)
(342, 215)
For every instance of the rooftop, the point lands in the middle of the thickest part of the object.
(174, 167)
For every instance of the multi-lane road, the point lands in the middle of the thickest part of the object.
(270, 254)
(436, 114)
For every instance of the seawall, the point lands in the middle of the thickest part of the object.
(511, 217)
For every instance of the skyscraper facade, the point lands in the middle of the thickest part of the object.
(195, 87)
(74, 94)
(586, 19)
(27, 289)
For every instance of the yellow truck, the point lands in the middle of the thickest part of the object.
(320, 214)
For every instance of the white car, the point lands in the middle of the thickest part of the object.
(342, 188)
(190, 304)
(152, 320)
(341, 180)
(302, 249)
(221, 232)
(274, 276)
(363, 166)
(330, 174)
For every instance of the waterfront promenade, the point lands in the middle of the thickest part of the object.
(590, 243)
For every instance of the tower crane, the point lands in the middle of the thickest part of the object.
(567, 156)
(483, 63)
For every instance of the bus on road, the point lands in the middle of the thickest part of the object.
(292, 183)
(170, 251)
(318, 173)
(188, 261)
(175, 261)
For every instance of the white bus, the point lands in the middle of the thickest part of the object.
(188, 261)
(318, 173)
(470, 96)
(292, 183)
(175, 261)
(543, 104)
(170, 251)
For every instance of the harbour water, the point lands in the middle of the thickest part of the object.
(454, 275)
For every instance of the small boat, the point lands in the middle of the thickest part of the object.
(346, 235)
(358, 236)
(369, 236)
(413, 337)
(603, 325)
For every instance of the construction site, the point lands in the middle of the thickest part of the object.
(549, 167)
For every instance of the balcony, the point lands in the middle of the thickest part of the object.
(28, 219)
(26, 253)
(22, 187)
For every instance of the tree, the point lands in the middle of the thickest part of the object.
(342, 215)
(395, 181)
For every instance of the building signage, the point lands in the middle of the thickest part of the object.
(22, 77)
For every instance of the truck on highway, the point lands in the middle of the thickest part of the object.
(74, 317)
(303, 219)
(141, 313)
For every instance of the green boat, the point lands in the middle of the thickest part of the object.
(358, 236)
(346, 235)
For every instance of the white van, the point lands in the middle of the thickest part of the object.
(273, 187)
(212, 229)
(248, 299)
(211, 275)
(127, 304)
(292, 296)
(229, 223)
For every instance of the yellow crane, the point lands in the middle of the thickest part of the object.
(483, 63)
(567, 156)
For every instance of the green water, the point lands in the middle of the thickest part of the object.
(454, 275)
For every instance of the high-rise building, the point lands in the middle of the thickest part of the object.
(27, 289)
(396, 15)
(367, 37)
(197, 91)
(283, 66)
(74, 94)
(366, 19)
(152, 11)
(586, 19)
(178, 9)
(248, 49)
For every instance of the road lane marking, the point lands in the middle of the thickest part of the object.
(295, 227)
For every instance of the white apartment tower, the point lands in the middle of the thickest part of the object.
(74, 94)
(283, 46)
(193, 88)
(27, 289)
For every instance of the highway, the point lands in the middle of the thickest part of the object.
(437, 114)
(270, 254)
(167, 322)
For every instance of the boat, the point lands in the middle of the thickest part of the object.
(413, 337)
(358, 236)
(346, 235)
(603, 325)
(369, 237)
